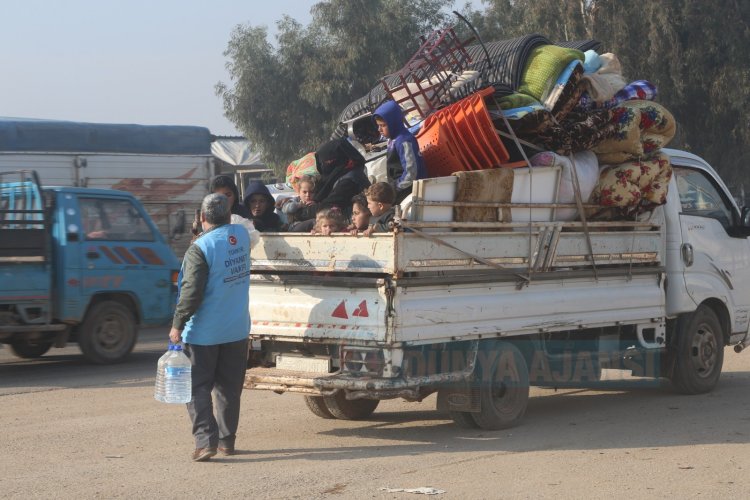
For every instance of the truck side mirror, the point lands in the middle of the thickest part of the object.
(742, 230)
(745, 219)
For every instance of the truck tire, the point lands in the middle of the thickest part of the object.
(30, 349)
(504, 387)
(350, 409)
(464, 419)
(108, 333)
(317, 405)
(698, 351)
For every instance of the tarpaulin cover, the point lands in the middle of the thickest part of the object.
(30, 135)
(236, 151)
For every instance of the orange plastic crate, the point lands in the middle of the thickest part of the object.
(486, 126)
(436, 146)
(468, 157)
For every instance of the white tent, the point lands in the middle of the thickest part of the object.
(236, 152)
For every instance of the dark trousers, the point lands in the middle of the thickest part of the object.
(219, 368)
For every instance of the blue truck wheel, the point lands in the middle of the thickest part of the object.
(29, 349)
(108, 333)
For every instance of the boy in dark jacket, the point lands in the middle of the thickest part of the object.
(404, 160)
(380, 197)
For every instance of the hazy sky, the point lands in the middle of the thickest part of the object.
(151, 62)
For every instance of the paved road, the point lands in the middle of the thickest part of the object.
(74, 430)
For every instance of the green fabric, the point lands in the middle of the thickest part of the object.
(516, 100)
(544, 66)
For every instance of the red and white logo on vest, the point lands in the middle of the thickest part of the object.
(232, 240)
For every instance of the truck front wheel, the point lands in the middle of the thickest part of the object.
(698, 351)
(504, 387)
(350, 409)
(30, 349)
(108, 333)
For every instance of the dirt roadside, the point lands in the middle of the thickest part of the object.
(73, 430)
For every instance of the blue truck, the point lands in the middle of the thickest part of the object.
(79, 265)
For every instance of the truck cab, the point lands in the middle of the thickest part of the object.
(78, 264)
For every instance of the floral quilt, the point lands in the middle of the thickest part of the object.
(634, 186)
(642, 127)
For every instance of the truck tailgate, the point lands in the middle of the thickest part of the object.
(354, 310)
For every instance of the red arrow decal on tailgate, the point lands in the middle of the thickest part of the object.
(340, 311)
(361, 310)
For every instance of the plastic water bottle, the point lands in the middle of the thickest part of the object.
(173, 377)
(159, 386)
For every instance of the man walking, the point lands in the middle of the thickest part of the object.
(213, 321)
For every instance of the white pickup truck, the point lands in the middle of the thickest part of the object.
(479, 313)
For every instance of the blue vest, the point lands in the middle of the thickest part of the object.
(224, 314)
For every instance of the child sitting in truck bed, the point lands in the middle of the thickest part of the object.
(329, 221)
(291, 207)
(380, 199)
(404, 160)
(360, 215)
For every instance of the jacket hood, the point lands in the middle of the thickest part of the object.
(257, 187)
(392, 115)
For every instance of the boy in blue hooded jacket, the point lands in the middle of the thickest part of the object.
(404, 160)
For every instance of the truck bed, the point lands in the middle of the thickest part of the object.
(519, 248)
(416, 287)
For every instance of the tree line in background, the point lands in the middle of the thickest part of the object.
(286, 98)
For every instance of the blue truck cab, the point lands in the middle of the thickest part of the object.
(79, 265)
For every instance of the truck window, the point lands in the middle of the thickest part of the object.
(113, 220)
(699, 196)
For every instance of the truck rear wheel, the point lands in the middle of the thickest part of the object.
(504, 387)
(317, 405)
(108, 333)
(30, 349)
(699, 352)
(350, 409)
(464, 419)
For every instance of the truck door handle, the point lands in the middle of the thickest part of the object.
(688, 255)
(92, 255)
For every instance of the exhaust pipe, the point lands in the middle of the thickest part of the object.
(742, 345)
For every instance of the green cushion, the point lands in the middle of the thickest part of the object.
(544, 65)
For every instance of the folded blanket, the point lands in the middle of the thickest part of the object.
(550, 97)
(606, 81)
(641, 90)
(491, 185)
(579, 131)
(642, 128)
(518, 113)
(570, 93)
(634, 186)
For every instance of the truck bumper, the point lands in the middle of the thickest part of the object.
(356, 385)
